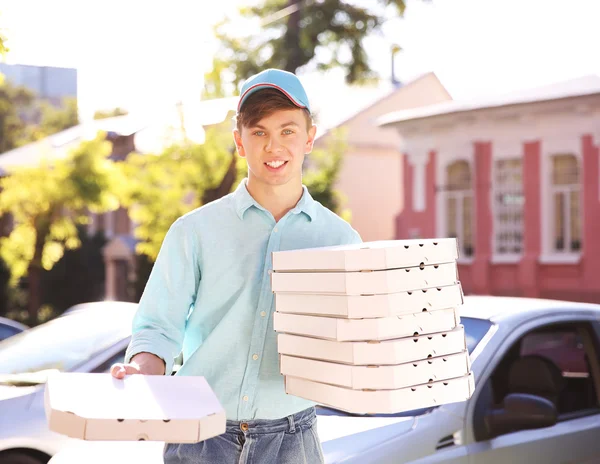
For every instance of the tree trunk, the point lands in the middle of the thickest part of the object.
(292, 39)
(34, 300)
(226, 184)
(34, 271)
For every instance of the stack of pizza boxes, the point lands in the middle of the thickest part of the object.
(373, 327)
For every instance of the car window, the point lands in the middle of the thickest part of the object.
(563, 347)
(475, 330)
(551, 362)
(66, 342)
(7, 331)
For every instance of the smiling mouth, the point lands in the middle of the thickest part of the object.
(275, 164)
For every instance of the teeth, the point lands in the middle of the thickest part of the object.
(275, 164)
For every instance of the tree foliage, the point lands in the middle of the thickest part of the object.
(47, 203)
(161, 188)
(328, 33)
(14, 102)
(322, 169)
(49, 119)
(104, 114)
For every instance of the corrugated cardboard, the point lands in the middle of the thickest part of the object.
(366, 283)
(383, 401)
(383, 328)
(384, 254)
(377, 377)
(174, 409)
(389, 352)
(370, 306)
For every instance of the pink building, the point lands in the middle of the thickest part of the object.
(516, 180)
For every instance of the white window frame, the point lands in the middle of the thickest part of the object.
(447, 154)
(573, 145)
(565, 191)
(505, 150)
(459, 196)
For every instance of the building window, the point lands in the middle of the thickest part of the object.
(459, 206)
(565, 192)
(508, 207)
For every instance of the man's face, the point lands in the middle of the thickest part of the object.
(275, 147)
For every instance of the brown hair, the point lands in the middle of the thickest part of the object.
(263, 103)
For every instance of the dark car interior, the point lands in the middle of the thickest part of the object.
(551, 364)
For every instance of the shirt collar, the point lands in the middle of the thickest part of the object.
(243, 200)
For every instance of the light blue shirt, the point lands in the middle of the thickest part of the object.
(210, 294)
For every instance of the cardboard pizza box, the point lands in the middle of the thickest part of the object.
(377, 377)
(377, 255)
(368, 282)
(370, 306)
(383, 401)
(383, 328)
(387, 352)
(173, 409)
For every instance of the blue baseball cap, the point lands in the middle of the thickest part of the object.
(284, 81)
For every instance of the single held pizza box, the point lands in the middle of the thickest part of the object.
(173, 409)
(378, 255)
(370, 306)
(383, 328)
(366, 282)
(383, 401)
(387, 352)
(378, 377)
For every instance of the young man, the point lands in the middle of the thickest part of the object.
(209, 292)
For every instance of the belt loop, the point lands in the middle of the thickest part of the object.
(292, 424)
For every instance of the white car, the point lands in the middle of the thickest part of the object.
(87, 339)
(537, 376)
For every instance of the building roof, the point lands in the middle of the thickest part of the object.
(59, 145)
(583, 86)
(152, 132)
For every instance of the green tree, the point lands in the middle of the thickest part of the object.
(321, 172)
(52, 119)
(55, 119)
(14, 101)
(103, 114)
(161, 188)
(3, 47)
(47, 203)
(329, 33)
(79, 275)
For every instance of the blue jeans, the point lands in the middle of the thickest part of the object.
(290, 440)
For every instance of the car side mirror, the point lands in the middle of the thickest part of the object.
(521, 411)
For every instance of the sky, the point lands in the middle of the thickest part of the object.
(137, 54)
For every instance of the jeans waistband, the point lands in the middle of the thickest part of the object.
(300, 420)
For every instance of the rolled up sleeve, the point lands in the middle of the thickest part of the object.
(159, 323)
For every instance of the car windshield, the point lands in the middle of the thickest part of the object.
(66, 342)
(475, 330)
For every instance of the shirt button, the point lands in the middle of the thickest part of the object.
(245, 398)
(263, 314)
(275, 229)
(255, 357)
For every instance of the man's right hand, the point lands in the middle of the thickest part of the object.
(141, 363)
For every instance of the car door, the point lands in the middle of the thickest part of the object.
(572, 347)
